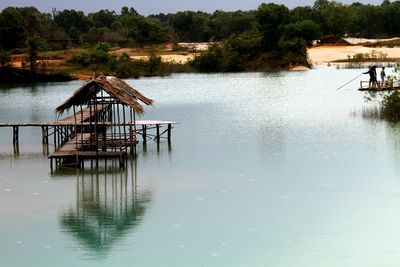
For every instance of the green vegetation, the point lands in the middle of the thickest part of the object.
(391, 106)
(388, 43)
(99, 61)
(387, 103)
(373, 56)
(272, 37)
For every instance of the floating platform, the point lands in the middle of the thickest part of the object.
(387, 86)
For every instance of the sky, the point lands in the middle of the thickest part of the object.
(147, 7)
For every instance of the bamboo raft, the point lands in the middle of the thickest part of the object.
(387, 86)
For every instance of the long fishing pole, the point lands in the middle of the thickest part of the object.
(348, 82)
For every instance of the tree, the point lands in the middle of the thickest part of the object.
(102, 18)
(71, 19)
(318, 4)
(223, 24)
(129, 11)
(12, 30)
(307, 30)
(272, 19)
(191, 26)
(34, 44)
(5, 59)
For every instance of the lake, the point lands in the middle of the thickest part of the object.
(263, 170)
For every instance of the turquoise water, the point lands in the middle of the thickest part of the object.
(263, 170)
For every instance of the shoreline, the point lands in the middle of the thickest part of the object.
(318, 55)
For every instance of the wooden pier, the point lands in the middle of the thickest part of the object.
(102, 125)
(154, 130)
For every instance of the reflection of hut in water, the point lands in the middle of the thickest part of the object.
(103, 119)
(108, 207)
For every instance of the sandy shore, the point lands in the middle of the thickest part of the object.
(317, 55)
(174, 58)
(325, 54)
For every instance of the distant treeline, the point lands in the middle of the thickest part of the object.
(272, 37)
(71, 27)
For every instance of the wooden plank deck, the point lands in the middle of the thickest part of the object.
(80, 144)
(68, 123)
(364, 86)
(74, 144)
(90, 154)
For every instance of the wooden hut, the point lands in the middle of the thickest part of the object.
(103, 121)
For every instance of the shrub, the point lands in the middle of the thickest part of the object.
(391, 106)
(5, 59)
(209, 61)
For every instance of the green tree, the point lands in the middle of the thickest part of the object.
(272, 19)
(95, 35)
(306, 29)
(223, 24)
(102, 18)
(5, 59)
(12, 30)
(73, 22)
(34, 45)
(191, 26)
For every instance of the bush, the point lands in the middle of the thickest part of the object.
(209, 61)
(102, 46)
(96, 60)
(5, 59)
(391, 106)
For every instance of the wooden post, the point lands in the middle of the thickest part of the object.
(158, 133)
(169, 131)
(132, 135)
(15, 135)
(144, 134)
(16, 140)
(119, 128)
(55, 137)
(124, 121)
(47, 135)
(43, 135)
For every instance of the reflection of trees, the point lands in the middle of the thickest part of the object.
(108, 208)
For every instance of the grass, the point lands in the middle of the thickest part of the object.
(388, 43)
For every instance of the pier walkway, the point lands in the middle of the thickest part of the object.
(148, 129)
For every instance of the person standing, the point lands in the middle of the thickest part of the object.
(372, 76)
(383, 75)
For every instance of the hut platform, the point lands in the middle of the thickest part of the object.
(147, 129)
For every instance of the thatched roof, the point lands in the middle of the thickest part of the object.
(113, 86)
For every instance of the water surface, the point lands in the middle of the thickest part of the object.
(263, 170)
